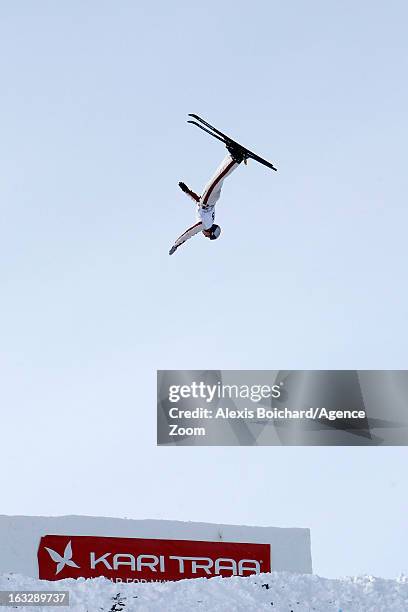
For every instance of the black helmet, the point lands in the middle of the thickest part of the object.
(215, 231)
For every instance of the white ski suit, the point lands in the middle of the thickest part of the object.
(207, 201)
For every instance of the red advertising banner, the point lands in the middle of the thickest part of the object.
(141, 560)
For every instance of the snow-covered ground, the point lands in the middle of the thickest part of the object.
(283, 592)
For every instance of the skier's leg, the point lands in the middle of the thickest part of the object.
(237, 154)
(212, 190)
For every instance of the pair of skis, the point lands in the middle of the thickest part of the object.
(229, 142)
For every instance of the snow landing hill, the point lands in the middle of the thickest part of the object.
(279, 591)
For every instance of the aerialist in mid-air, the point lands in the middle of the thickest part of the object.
(212, 191)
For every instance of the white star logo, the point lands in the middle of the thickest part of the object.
(62, 561)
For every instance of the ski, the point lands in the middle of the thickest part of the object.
(210, 129)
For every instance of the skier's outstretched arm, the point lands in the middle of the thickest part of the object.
(188, 191)
(189, 233)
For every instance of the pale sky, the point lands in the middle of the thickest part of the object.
(310, 271)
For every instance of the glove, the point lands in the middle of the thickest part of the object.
(184, 187)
